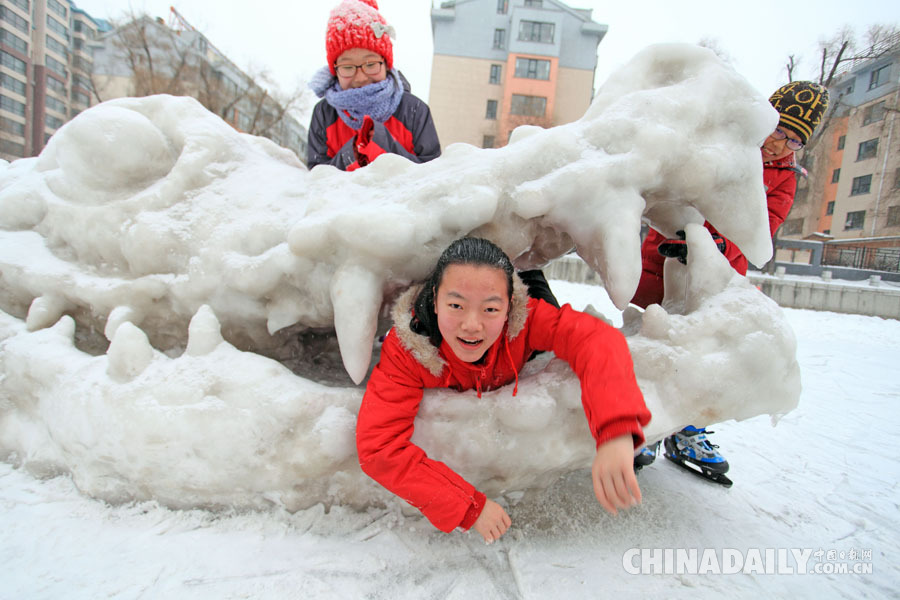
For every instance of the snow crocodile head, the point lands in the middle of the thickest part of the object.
(172, 290)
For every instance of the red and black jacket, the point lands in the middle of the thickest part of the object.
(409, 132)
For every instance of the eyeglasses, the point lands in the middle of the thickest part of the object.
(369, 68)
(781, 134)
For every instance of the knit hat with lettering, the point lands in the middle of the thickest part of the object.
(358, 24)
(800, 106)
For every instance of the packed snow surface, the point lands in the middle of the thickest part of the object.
(174, 293)
(823, 481)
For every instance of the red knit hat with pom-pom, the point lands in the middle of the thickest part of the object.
(358, 24)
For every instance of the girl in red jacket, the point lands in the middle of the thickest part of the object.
(471, 325)
(366, 108)
(800, 106)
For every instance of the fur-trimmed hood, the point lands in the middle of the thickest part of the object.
(420, 346)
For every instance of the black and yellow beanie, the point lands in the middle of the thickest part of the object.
(800, 106)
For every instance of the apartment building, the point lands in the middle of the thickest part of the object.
(499, 64)
(852, 195)
(46, 51)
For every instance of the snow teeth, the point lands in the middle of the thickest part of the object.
(119, 315)
(706, 274)
(204, 332)
(129, 352)
(356, 295)
(44, 312)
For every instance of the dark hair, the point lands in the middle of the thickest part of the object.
(464, 251)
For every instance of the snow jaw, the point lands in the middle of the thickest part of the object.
(203, 263)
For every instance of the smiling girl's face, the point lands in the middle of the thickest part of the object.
(471, 303)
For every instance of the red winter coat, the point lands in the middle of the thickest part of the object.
(780, 180)
(409, 364)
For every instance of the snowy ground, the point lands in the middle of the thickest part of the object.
(824, 479)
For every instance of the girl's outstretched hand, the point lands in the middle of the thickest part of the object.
(492, 522)
(613, 474)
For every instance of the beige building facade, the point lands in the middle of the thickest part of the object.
(499, 64)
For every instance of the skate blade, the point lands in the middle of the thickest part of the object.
(717, 478)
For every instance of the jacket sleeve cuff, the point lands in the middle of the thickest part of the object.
(474, 511)
(621, 427)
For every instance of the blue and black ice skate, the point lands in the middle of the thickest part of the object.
(691, 450)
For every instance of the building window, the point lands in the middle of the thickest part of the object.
(848, 90)
(792, 227)
(11, 62)
(529, 106)
(13, 127)
(532, 68)
(487, 141)
(893, 216)
(897, 179)
(855, 220)
(495, 73)
(57, 8)
(13, 106)
(536, 31)
(841, 141)
(54, 104)
(861, 185)
(867, 149)
(829, 210)
(835, 176)
(57, 47)
(13, 41)
(81, 98)
(52, 122)
(57, 27)
(56, 85)
(56, 66)
(874, 113)
(14, 19)
(12, 84)
(491, 112)
(500, 38)
(502, 6)
(879, 77)
(82, 82)
(10, 147)
(23, 4)
(534, 3)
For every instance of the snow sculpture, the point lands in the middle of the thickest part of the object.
(155, 263)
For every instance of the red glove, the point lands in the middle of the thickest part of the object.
(363, 139)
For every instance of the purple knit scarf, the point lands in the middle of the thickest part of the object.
(378, 100)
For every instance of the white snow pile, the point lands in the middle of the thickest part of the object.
(166, 281)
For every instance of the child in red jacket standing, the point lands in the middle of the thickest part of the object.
(366, 108)
(800, 106)
(472, 325)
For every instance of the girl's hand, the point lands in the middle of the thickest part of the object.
(492, 522)
(613, 474)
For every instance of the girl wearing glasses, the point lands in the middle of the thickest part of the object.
(800, 107)
(366, 107)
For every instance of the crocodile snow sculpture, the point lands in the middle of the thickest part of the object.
(170, 287)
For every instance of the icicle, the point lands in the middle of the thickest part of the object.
(356, 295)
